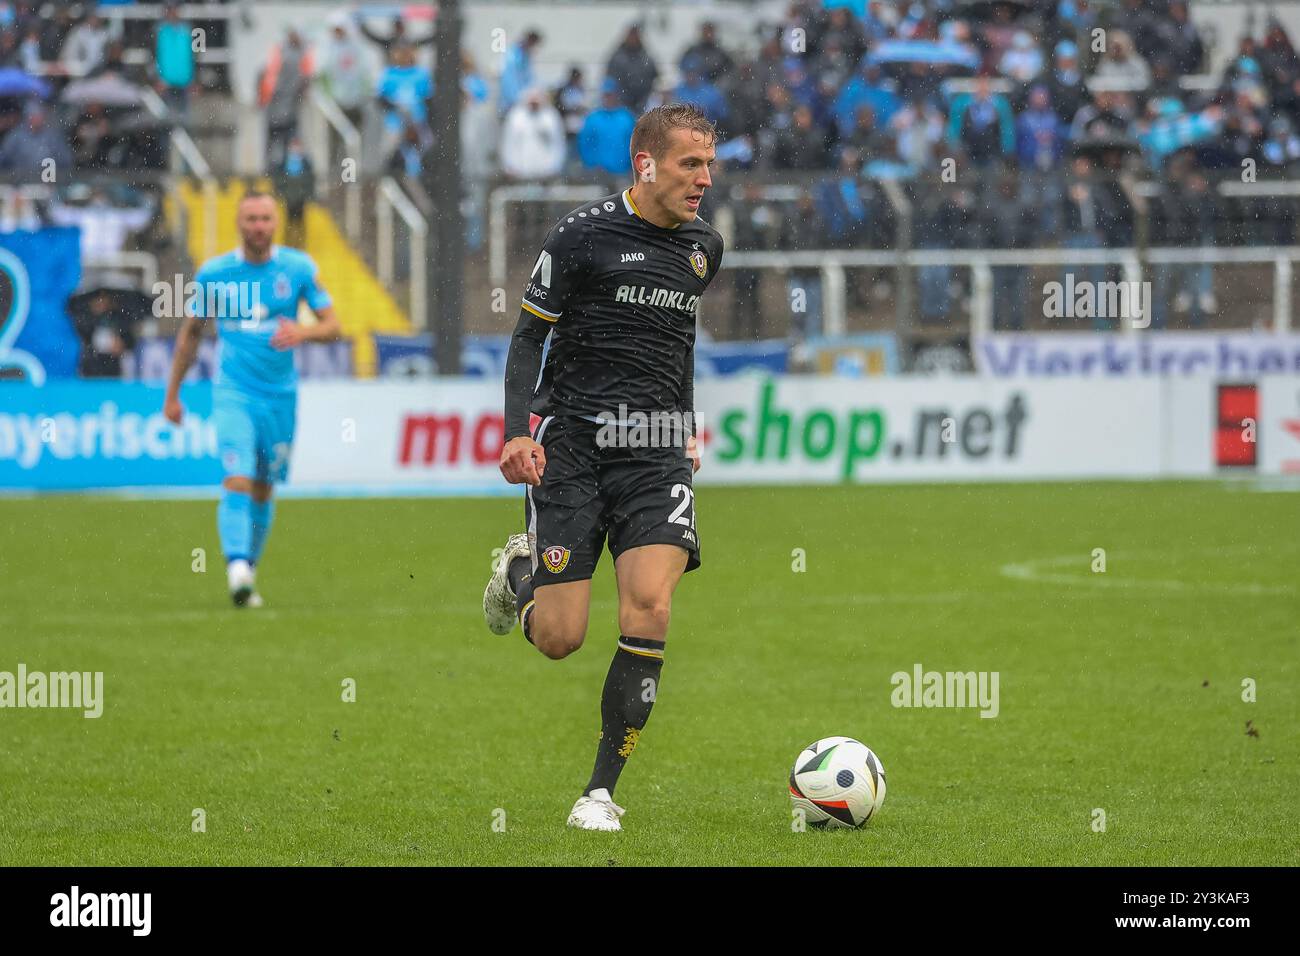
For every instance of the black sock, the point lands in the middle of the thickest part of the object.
(625, 704)
(520, 573)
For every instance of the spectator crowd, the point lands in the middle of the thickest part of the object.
(1004, 123)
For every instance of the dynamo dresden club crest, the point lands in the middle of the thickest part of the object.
(700, 263)
(556, 559)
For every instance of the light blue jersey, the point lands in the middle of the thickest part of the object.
(247, 301)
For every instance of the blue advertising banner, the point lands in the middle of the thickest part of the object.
(1228, 353)
(38, 272)
(79, 435)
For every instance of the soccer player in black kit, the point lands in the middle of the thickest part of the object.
(615, 288)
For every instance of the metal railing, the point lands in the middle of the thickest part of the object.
(145, 262)
(501, 195)
(326, 120)
(832, 262)
(389, 199)
(981, 262)
(186, 155)
(13, 196)
(187, 158)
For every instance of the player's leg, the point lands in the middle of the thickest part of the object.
(275, 422)
(652, 537)
(237, 448)
(235, 526)
(543, 576)
(554, 617)
(647, 577)
(550, 594)
(263, 514)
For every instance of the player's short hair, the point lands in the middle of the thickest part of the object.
(650, 135)
(254, 193)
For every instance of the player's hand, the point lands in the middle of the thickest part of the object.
(693, 453)
(173, 410)
(287, 335)
(523, 461)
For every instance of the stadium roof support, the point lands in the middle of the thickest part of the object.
(442, 181)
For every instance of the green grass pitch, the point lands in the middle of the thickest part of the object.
(1119, 691)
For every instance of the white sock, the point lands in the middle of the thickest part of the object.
(238, 572)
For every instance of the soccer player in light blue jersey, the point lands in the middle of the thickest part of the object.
(253, 295)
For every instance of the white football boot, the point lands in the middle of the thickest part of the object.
(498, 599)
(596, 811)
(239, 575)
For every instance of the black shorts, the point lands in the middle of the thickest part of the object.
(633, 496)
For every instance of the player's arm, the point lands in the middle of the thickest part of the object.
(688, 376)
(326, 329)
(688, 407)
(522, 459)
(187, 347)
(562, 266)
(289, 334)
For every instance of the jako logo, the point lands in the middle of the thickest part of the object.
(103, 909)
(633, 257)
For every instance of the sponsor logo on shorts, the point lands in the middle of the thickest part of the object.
(688, 535)
(555, 558)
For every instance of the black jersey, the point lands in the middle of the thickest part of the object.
(621, 294)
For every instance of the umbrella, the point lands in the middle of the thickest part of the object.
(929, 52)
(129, 302)
(1103, 143)
(14, 82)
(108, 89)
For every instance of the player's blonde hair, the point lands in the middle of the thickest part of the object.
(650, 135)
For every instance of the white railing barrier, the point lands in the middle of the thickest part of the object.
(145, 262)
(389, 199)
(501, 195)
(833, 262)
(186, 155)
(1281, 293)
(188, 158)
(329, 117)
(12, 194)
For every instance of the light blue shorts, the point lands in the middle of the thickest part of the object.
(254, 433)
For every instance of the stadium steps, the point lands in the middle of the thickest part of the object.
(364, 306)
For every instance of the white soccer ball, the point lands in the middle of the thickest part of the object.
(837, 782)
